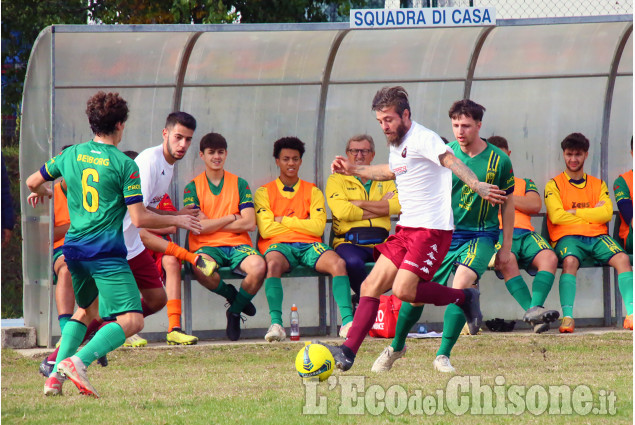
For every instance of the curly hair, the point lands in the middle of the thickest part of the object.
(288, 143)
(575, 142)
(104, 111)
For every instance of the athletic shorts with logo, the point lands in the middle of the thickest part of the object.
(474, 254)
(229, 256)
(590, 251)
(525, 246)
(298, 253)
(416, 249)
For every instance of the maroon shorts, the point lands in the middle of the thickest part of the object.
(145, 272)
(416, 249)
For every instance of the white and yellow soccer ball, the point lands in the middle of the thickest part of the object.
(314, 360)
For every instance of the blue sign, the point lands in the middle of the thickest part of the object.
(427, 17)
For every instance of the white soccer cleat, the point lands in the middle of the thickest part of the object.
(442, 364)
(344, 330)
(387, 358)
(135, 341)
(73, 368)
(275, 333)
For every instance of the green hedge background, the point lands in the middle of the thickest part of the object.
(12, 254)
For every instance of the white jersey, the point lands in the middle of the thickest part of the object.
(155, 174)
(424, 185)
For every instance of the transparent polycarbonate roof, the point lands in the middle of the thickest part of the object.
(538, 79)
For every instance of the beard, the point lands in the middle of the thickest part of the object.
(396, 138)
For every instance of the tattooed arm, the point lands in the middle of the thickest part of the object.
(381, 172)
(489, 192)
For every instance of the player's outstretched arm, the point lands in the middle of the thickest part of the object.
(489, 192)
(379, 172)
(40, 191)
(142, 218)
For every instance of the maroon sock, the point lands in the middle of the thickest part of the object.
(433, 293)
(53, 356)
(363, 321)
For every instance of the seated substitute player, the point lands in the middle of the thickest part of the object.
(578, 210)
(529, 249)
(623, 189)
(102, 184)
(291, 220)
(475, 235)
(361, 211)
(227, 215)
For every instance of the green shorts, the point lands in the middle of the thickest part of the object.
(590, 251)
(471, 253)
(298, 253)
(229, 256)
(108, 278)
(525, 246)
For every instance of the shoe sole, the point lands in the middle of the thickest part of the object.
(274, 339)
(566, 331)
(84, 387)
(541, 328)
(135, 345)
(182, 343)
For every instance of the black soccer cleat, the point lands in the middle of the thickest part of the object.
(539, 314)
(46, 367)
(249, 309)
(233, 326)
(103, 361)
(472, 310)
(343, 356)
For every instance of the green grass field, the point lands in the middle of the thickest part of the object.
(257, 383)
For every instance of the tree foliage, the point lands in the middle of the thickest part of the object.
(22, 21)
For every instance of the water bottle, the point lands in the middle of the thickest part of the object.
(295, 324)
(422, 329)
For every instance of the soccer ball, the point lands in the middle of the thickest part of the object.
(314, 360)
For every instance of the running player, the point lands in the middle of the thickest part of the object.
(103, 184)
(422, 166)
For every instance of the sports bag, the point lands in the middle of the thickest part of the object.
(366, 235)
(386, 319)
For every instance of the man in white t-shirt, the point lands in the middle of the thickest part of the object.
(156, 167)
(422, 166)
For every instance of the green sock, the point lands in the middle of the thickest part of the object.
(408, 316)
(625, 282)
(567, 293)
(225, 290)
(242, 299)
(108, 338)
(273, 291)
(543, 282)
(519, 290)
(63, 319)
(342, 295)
(453, 322)
(72, 338)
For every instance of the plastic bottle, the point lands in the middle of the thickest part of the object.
(422, 329)
(295, 324)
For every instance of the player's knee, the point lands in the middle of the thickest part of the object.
(338, 267)
(171, 263)
(258, 269)
(402, 292)
(274, 267)
(549, 262)
(622, 263)
(570, 264)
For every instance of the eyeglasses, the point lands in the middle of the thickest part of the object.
(354, 152)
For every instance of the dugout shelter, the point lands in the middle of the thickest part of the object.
(540, 79)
